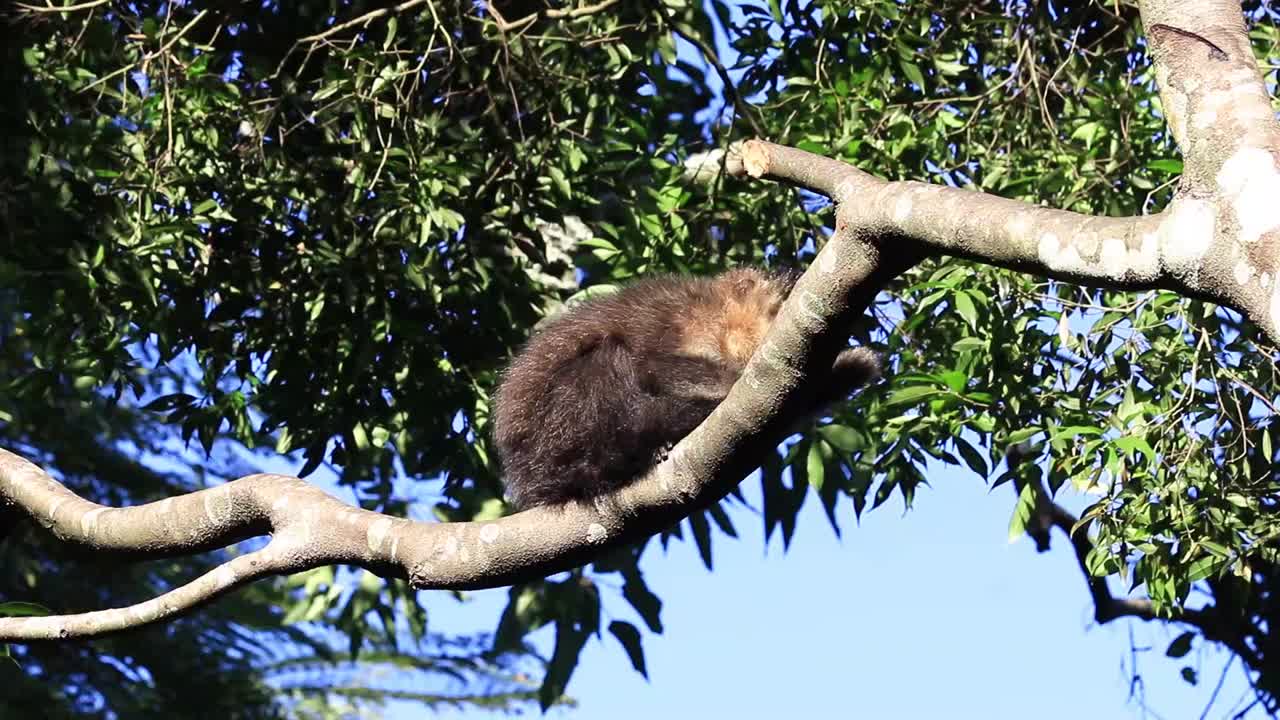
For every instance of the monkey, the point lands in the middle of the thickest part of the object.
(597, 395)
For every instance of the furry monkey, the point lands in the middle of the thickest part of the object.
(594, 397)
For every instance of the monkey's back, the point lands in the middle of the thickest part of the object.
(596, 394)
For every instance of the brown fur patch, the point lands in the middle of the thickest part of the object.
(598, 393)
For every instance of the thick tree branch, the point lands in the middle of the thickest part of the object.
(1219, 240)
(310, 528)
(1116, 252)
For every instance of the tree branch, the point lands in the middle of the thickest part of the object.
(364, 19)
(1219, 240)
(554, 13)
(25, 7)
(1107, 607)
(309, 528)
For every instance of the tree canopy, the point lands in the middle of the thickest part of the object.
(320, 230)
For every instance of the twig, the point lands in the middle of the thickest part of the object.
(553, 13)
(151, 55)
(1217, 688)
(1106, 607)
(65, 8)
(365, 18)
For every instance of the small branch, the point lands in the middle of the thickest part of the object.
(583, 11)
(63, 8)
(233, 574)
(554, 13)
(364, 19)
(1107, 607)
(151, 55)
(1213, 697)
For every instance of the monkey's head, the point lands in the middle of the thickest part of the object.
(750, 300)
(749, 281)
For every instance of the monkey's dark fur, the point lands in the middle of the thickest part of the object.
(596, 395)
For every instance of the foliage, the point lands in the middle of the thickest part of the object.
(323, 227)
(241, 658)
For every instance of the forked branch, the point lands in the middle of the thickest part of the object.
(1218, 241)
(309, 528)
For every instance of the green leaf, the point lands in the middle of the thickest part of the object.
(1098, 563)
(1168, 166)
(773, 492)
(1022, 512)
(954, 380)
(966, 308)
(22, 609)
(1090, 132)
(1130, 443)
(316, 307)
(815, 466)
(645, 602)
(1069, 431)
(525, 612)
(564, 660)
(169, 402)
(701, 537)
(910, 395)
(913, 73)
(360, 436)
(629, 636)
(722, 520)
(1222, 551)
(1020, 436)
(969, 344)
(392, 25)
(841, 437)
(204, 207)
(1180, 646)
(972, 457)
(601, 243)
(1204, 567)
